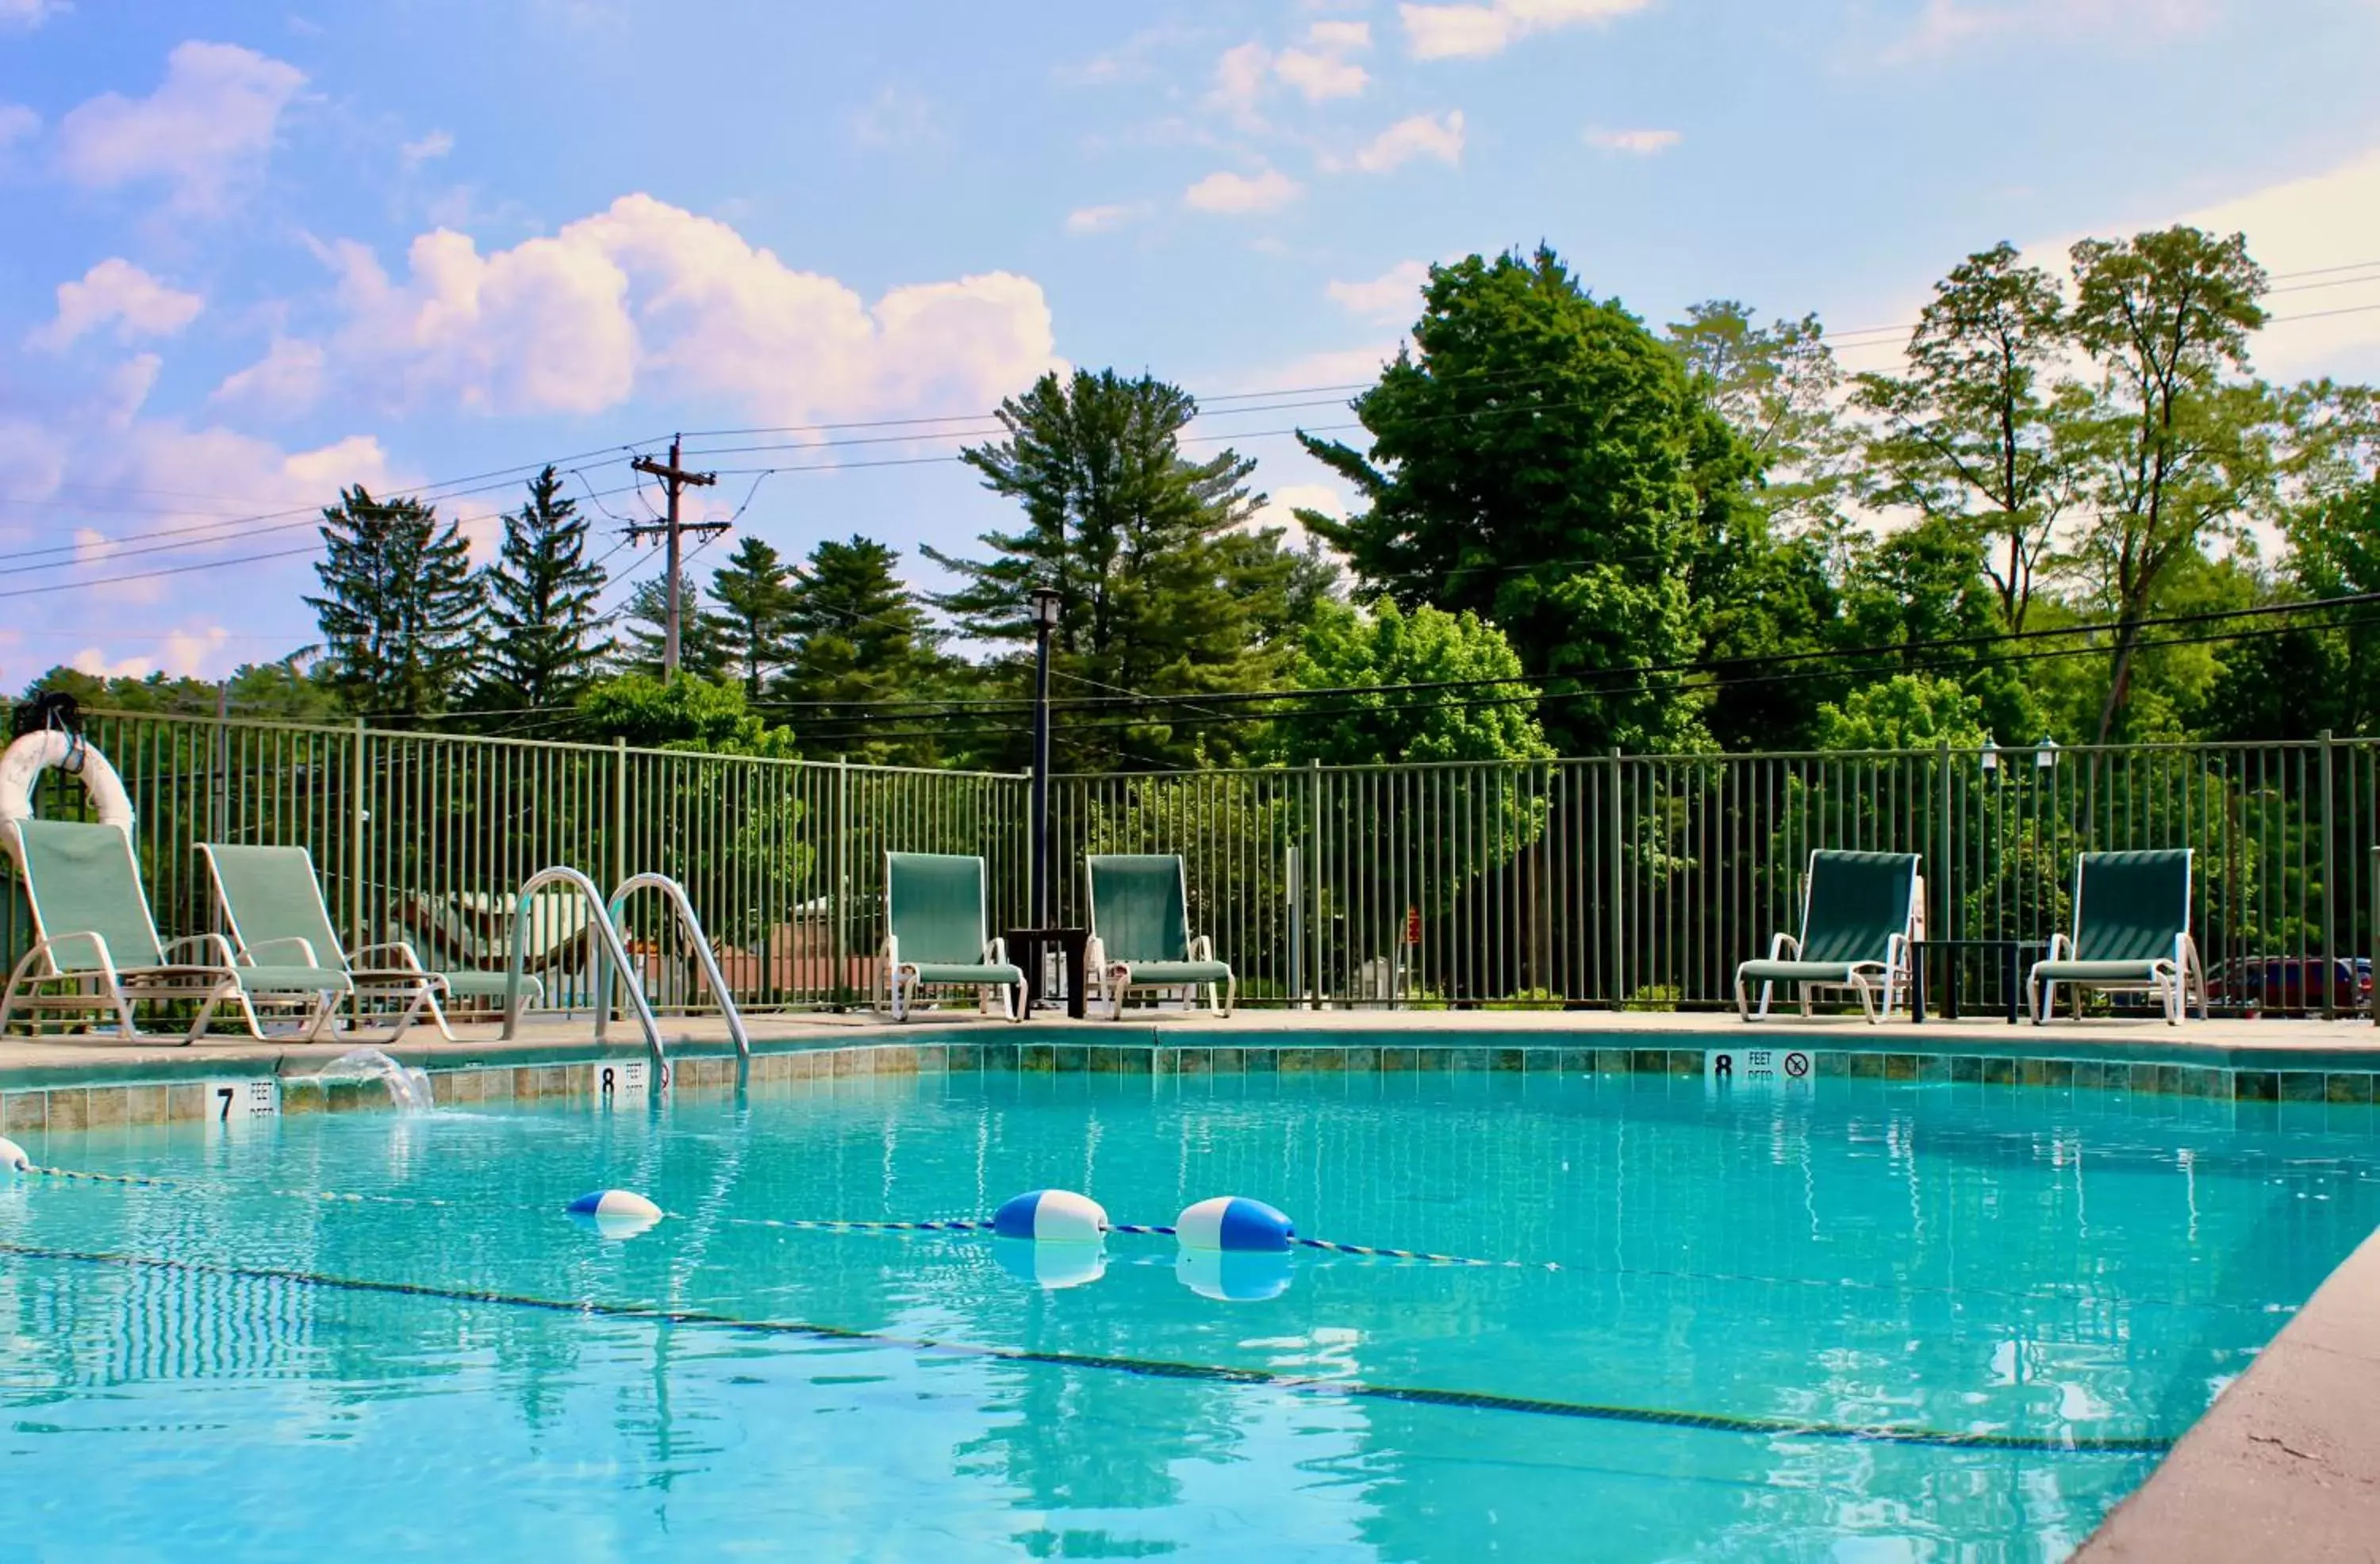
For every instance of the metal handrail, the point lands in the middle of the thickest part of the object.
(692, 928)
(607, 937)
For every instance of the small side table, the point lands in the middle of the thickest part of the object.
(2011, 976)
(1028, 948)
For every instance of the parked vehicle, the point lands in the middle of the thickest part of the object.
(2294, 982)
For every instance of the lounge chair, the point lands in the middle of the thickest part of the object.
(1140, 933)
(1860, 914)
(273, 906)
(2132, 933)
(92, 926)
(934, 933)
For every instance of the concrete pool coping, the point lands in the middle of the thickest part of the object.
(2287, 1462)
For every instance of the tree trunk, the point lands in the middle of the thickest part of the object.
(2127, 636)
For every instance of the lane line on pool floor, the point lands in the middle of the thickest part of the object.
(1161, 1368)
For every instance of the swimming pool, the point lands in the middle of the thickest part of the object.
(1880, 1319)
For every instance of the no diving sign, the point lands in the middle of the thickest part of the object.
(1760, 1069)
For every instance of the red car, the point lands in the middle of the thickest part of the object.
(2293, 983)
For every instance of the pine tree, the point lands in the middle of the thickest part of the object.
(541, 595)
(754, 597)
(1161, 588)
(401, 606)
(645, 621)
(859, 638)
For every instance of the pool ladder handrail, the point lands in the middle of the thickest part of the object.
(691, 927)
(606, 936)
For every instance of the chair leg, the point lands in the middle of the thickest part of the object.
(1867, 998)
(2038, 998)
(1743, 1005)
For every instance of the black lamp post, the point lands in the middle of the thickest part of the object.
(1044, 620)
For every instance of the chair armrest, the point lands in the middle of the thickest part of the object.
(1782, 943)
(407, 961)
(255, 954)
(1202, 947)
(1095, 954)
(97, 942)
(2060, 946)
(220, 948)
(995, 951)
(891, 949)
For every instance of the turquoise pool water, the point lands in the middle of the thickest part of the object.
(1818, 1288)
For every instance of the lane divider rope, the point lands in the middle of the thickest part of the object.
(1164, 1368)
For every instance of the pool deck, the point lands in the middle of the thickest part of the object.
(2228, 1044)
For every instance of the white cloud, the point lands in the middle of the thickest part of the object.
(1637, 143)
(288, 378)
(646, 296)
(1339, 35)
(1344, 365)
(435, 145)
(30, 14)
(1239, 80)
(2318, 220)
(189, 653)
(1423, 136)
(1394, 292)
(1945, 26)
(1237, 194)
(203, 132)
(1439, 32)
(117, 292)
(18, 123)
(893, 119)
(1099, 219)
(1282, 505)
(1319, 76)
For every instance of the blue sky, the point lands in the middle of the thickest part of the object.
(260, 251)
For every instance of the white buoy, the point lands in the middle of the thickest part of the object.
(1050, 1266)
(1050, 1216)
(1236, 1224)
(616, 1213)
(12, 1156)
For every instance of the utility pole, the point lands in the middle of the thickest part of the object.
(675, 480)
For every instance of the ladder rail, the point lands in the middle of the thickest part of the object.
(691, 927)
(606, 936)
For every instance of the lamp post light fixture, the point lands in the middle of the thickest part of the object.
(2044, 758)
(1990, 758)
(1045, 621)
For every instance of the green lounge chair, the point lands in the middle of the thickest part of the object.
(934, 933)
(1861, 912)
(2132, 932)
(1140, 933)
(92, 926)
(273, 905)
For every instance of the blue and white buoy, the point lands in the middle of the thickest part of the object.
(1050, 1216)
(616, 1213)
(13, 1158)
(1235, 1224)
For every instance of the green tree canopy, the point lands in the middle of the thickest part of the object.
(1542, 460)
(401, 607)
(752, 626)
(681, 713)
(644, 625)
(541, 592)
(860, 639)
(1906, 711)
(1354, 649)
(1161, 589)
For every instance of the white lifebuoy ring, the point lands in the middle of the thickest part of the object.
(23, 762)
